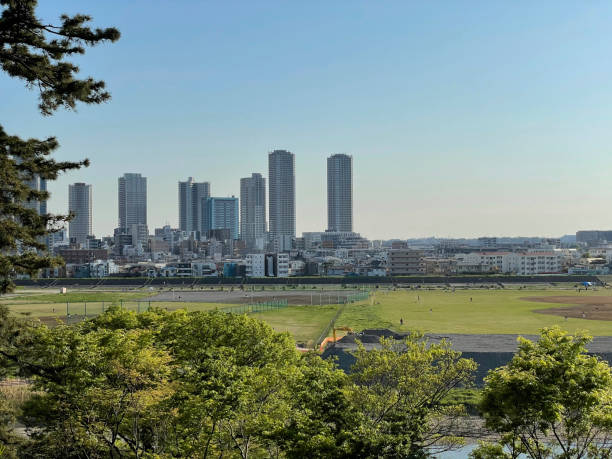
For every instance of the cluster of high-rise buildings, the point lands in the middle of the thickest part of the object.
(261, 224)
(254, 235)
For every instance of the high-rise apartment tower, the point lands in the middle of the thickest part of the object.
(340, 193)
(79, 203)
(191, 196)
(132, 200)
(281, 189)
(253, 210)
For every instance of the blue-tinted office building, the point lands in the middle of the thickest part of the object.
(221, 213)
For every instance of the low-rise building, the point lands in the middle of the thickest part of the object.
(404, 262)
(82, 256)
(267, 265)
(521, 263)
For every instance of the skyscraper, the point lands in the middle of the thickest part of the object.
(253, 211)
(221, 214)
(79, 203)
(340, 193)
(191, 195)
(132, 200)
(281, 183)
(38, 184)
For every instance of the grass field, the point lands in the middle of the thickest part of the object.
(72, 297)
(490, 311)
(305, 323)
(96, 307)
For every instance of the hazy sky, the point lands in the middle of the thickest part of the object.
(463, 118)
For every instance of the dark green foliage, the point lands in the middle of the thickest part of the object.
(36, 52)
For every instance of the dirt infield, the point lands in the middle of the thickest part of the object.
(239, 297)
(591, 308)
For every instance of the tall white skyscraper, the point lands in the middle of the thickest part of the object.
(132, 200)
(79, 203)
(340, 193)
(191, 196)
(281, 186)
(253, 211)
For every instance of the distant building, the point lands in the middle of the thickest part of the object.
(267, 265)
(132, 190)
(593, 237)
(253, 211)
(340, 193)
(38, 184)
(281, 191)
(221, 213)
(521, 263)
(102, 268)
(140, 235)
(404, 262)
(79, 203)
(81, 256)
(191, 195)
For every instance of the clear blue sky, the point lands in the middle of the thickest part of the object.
(463, 118)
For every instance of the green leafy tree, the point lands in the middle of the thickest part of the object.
(231, 374)
(399, 392)
(551, 400)
(38, 53)
(106, 397)
(320, 420)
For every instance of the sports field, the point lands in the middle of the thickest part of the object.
(474, 311)
(478, 311)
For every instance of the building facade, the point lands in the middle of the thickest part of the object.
(191, 195)
(340, 193)
(267, 265)
(38, 184)
(281, 197)
(253, 211)
(132, 191)
(80, 204)
(402, 262)
(521, 263)
(220, 214)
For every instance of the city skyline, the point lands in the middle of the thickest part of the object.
(470, 121)
(195, 200)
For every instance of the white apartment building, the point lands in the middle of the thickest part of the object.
(267, 265)
(102, 268)
(522, 263)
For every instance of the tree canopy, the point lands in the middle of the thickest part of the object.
(551, 400)
(210, 384)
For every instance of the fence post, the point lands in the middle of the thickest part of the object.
(103, 307)
(67, 312)
(149, 306)
(121, 304)
(86, 310)
(138, 308)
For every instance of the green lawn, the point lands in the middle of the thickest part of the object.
(490, 311)
(305, 323)
(96, 307)
(72, 297)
